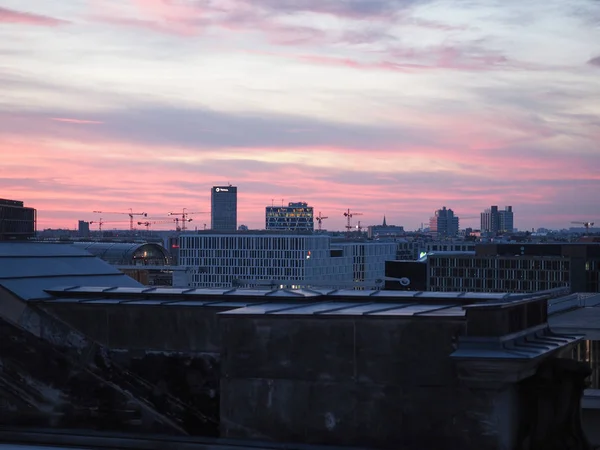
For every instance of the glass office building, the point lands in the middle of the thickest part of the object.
(16, 220)
(223, 213)
(294, 217)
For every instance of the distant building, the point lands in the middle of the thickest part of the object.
(290, 260)
(294, 217)
(223, 213)
(83, 228)
(144, 262)
(128, 253)
(494, 221)
(516, 268)
(17, 222)
(444, 223)
(454, 246)
(384, 230)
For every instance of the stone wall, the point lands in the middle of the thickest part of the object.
(175, 348)
(144, 327)
(376, 382)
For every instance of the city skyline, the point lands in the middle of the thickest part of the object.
(386, 107)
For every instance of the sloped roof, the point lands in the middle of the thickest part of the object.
(27, 269)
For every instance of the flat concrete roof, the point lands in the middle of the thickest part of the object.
(584, 321)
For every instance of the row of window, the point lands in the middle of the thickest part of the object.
(247, 254)
(516, 274)
(491, 285)
(254, 242)
(501, 263)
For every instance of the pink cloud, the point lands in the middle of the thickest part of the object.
(76, 121)
(26, 18)
(411, 60)
(67, 180)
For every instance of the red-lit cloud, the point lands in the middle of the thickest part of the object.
(68, 178)
(27, 18)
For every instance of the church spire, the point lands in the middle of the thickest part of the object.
(384, 223)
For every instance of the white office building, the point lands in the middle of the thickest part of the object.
(232, 260)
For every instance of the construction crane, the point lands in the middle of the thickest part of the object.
(130, 214)
(183, 217)
(359, 227)
(320, 219)
(587, 225)
(349, 216)
(176, 220)
(101, 222)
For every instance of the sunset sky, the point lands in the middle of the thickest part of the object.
(386, 107)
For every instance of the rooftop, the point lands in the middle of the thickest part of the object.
(28, 269)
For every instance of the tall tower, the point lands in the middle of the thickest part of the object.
(223, 212)
(444, 223)
(495, 221)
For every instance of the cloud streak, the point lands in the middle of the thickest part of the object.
(12, 16)
(595, 61)
(76, 121)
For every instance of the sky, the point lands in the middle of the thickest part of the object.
(383, 107)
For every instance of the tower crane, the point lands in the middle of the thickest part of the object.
(101, 222)
(587, 225)
(349, 216)
(130, 214)
(183, 217)
(176, 220)
(320, 219)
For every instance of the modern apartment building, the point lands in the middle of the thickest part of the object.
(368, 260)
(223, 212)
(17, 222)
(517, 268)
(444, 223)
(495, 221)
(455, 246)
(448, 272)
(292, 260)
(296, 216)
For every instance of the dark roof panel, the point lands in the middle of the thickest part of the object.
(408, 310)
(368, 308)
(38, 250)
(313, 308)
(35, 288)
(29, 269)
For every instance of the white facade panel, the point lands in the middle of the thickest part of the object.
(229, 260)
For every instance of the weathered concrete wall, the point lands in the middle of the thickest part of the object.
(176, 348)
(119, 387)
(377, 382)
(144, 327)
(41, 385)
